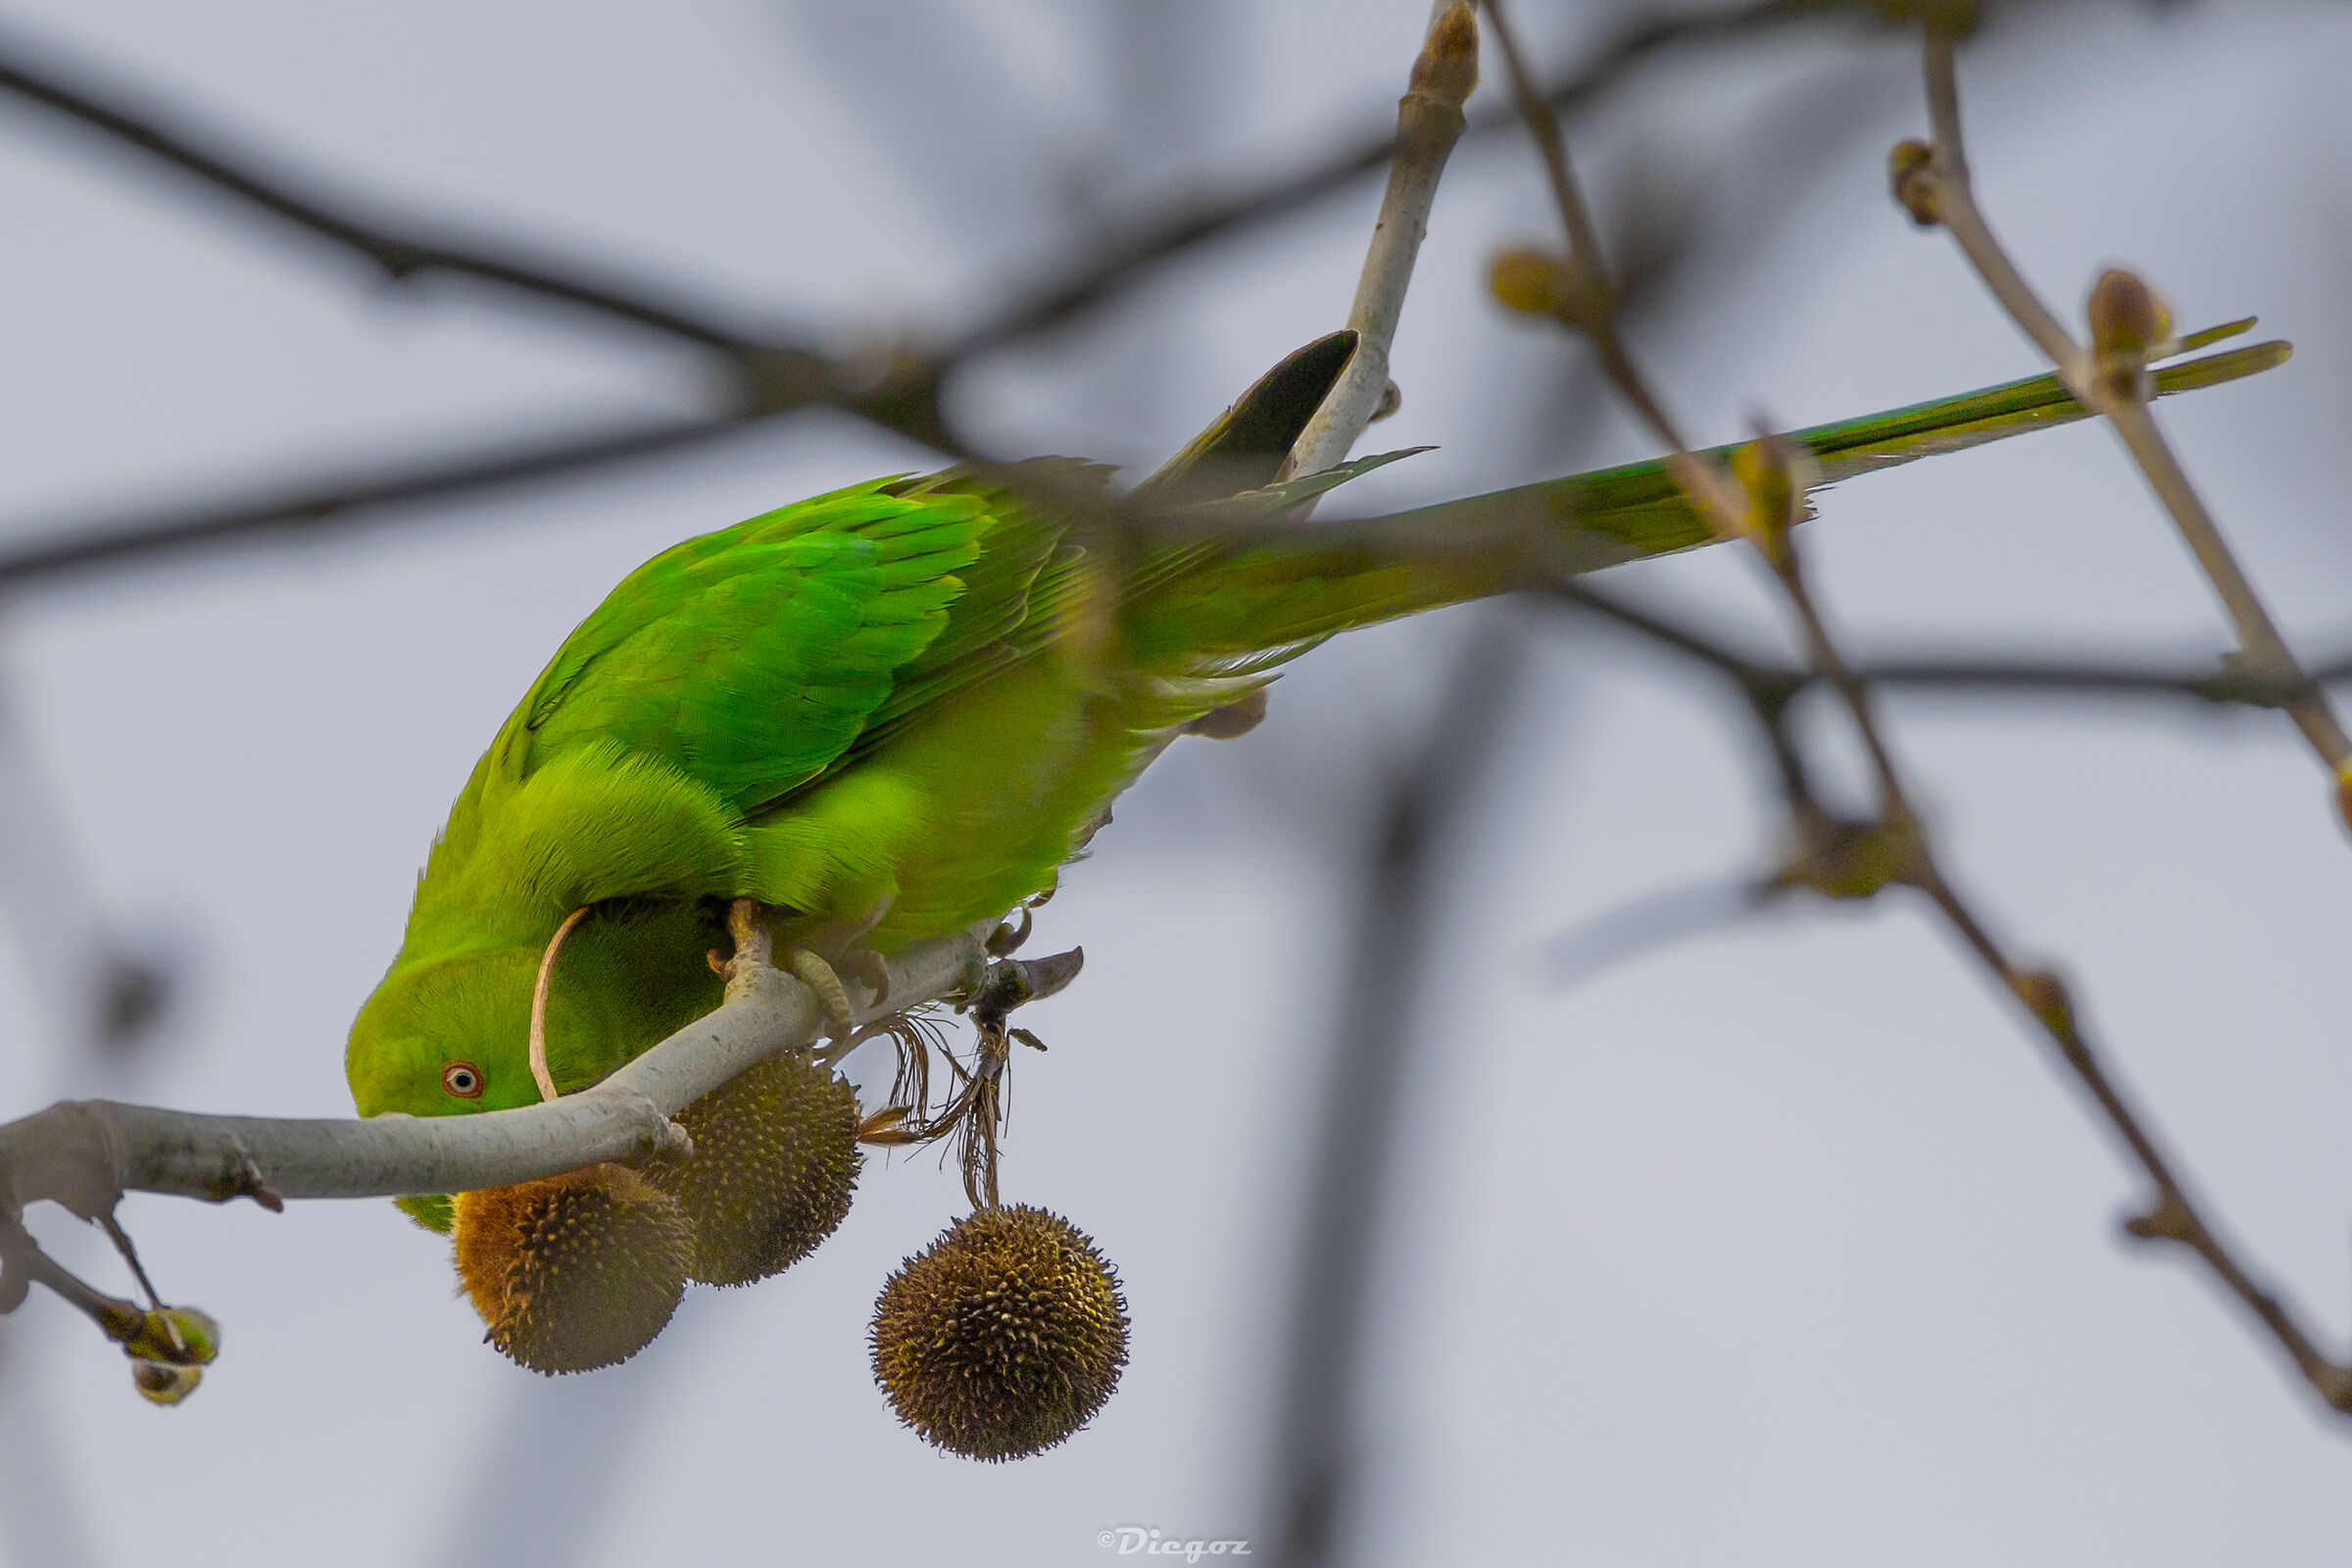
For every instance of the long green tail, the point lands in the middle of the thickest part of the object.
(1250, 593)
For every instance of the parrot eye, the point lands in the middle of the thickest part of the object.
(463, 1079)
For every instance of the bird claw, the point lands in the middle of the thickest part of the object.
(1007, 940)
(832, 997)
(869, 968)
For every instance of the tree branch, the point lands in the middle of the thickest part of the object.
(1956, 672)
(175, 137)
(85, 1154)
(295, 510)
(773, 376)
(1937, 189)
(1121, 262)
(1428, 121)
(1761, 499)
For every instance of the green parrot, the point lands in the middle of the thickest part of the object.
(895, 710)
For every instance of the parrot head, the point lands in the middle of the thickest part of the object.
(446, 1036)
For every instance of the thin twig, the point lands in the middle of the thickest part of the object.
(284, 512)
(1952, 672)
(1122, 263)
(35, 73)
(1952, 201)
(781, 378)
(1896, 844)
(1428, 121)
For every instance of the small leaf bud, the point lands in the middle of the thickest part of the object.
(1841, 858)
(1447, 69)
(2129, 324)
(1538, 283)
(2045, 996)
(1769, 473)
(1911, 174)
(1526, 282)
(179, 1335)
(165, 1381)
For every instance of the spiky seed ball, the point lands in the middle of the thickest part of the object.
(774, 1165)
(574, 1272)
(1004, 1337)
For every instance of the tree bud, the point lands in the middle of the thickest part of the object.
(2129, 324)
(2045, 996)
(1446, 67)
(1911, 174)
(179, 1335)
(165, 1381)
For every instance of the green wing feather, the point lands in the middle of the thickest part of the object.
(751, 659)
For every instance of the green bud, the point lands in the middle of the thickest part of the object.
(165, 1381)
(2129, 324)
(1768, 469)
(1446, 67)
(1843, 860)
(181, 1336)
(1911, 176)
(1540, 283)
(1527, 282)
(2045, 996)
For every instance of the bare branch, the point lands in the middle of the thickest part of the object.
(291, 512)
(85, 1154)
(1122, 263)
(1845, 858)
(1428, 121)
(175, 139)
(775, 377)
(1940, 190)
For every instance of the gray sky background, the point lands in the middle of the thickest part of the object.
(1783, 1246)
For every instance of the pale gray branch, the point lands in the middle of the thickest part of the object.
(85, 1154)
(1428, 121)
(1953, 204)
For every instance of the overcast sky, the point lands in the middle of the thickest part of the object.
(1779, 1245)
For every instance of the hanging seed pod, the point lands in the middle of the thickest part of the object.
(774, 1165)
(574, 1272)
(1004, 1337)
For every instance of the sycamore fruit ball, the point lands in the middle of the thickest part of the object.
(1002, 1337)
(574, 1272)
(774, 1165)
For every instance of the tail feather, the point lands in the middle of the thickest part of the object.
(1259, 593)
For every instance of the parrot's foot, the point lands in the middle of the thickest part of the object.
(821, 956)
(807, 966)
(1007, 939)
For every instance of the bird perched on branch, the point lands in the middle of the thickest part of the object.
(895, 710)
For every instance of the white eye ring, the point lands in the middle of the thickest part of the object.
(463, 1079)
